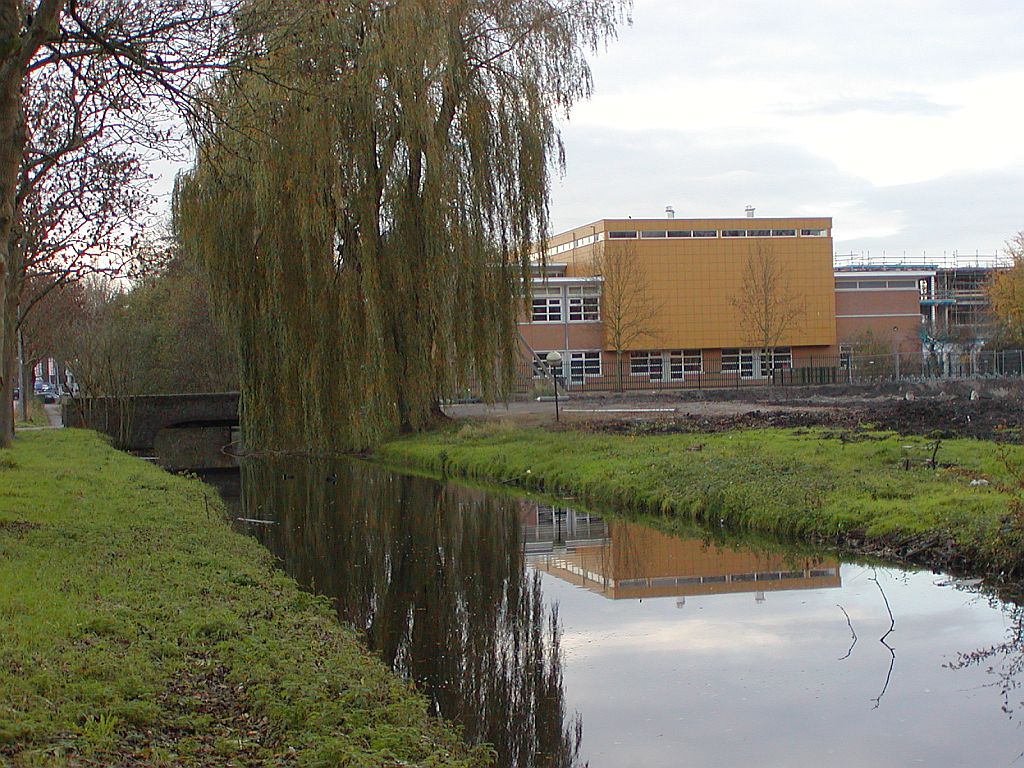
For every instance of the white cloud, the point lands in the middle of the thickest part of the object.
(832, 108)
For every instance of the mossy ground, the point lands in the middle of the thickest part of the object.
(851, 487)
(139, 629)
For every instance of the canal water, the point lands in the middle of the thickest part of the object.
(565, 638)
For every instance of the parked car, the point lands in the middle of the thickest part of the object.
(47, 393)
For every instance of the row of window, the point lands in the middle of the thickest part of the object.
(555, 250)
(590, 239)
(707, 233)
(652, 234)
(668, 581)
(582, 365)
(754, 363)
(672, 364)
(584, 304)
(676, 364)
(846, 284)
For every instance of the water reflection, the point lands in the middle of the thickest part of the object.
(625, 560)
(763, 666)
(434, 576)
(1003, 661)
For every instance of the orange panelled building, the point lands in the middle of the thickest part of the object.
(694, 273)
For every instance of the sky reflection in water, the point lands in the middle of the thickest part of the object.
(672, 651)
(727, 680)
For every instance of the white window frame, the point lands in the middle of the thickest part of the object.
(649, 364)
(546, 305)
(845, 356)
(781, 359)
(747, 364)
(740, 361)
(750, 364)
(584, 303)
(683, 363)
(730, 360)
(584, 364)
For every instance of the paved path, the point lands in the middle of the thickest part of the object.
(53, 416)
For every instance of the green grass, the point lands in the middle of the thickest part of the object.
(138, 628)
(811, 484)
(36, 414)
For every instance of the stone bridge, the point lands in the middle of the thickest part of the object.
(186, 430)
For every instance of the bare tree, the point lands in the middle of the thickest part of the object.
(81, 199)
(627, 308)
(81, 77)
(768, 308)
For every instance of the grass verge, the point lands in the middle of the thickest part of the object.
(954, 504)
(139, 629)
(36, 414)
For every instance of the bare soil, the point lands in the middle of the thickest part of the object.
(981, 409)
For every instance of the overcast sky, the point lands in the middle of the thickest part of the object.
(902, 120)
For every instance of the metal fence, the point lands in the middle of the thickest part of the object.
(536, 379)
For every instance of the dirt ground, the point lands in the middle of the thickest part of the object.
(990, 409)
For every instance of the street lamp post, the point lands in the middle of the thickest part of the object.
(554, 361)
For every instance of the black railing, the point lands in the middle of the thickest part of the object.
(532, 379)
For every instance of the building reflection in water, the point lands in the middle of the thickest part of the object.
(435, 578)
(624, 560)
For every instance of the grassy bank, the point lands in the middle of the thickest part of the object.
(138, 629)
(952, 504)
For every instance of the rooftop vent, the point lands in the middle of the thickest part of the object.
(750, 211)
(670, 212)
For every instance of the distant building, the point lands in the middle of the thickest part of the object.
(884, 304)
(925, 318)
(694, 270)
(940, 312)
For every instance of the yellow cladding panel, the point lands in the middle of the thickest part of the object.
(698, 283)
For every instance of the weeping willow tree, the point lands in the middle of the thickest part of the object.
(366, 213)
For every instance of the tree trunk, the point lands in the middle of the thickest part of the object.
(24, 383)
(12, 147)
(8, 368)
(19, 46)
